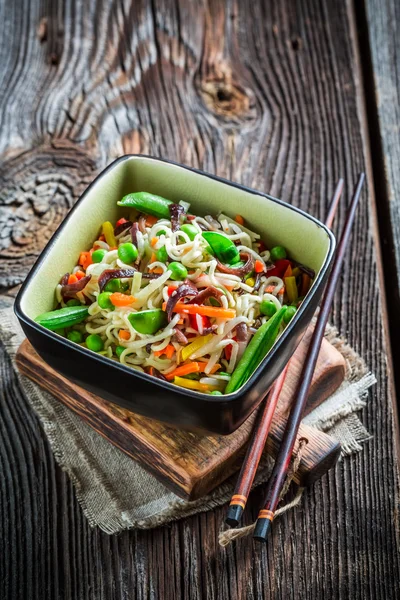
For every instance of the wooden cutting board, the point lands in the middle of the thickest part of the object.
(192, 464)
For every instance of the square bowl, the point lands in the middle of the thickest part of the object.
(306, 239)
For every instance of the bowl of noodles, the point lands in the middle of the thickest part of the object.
(174, 293)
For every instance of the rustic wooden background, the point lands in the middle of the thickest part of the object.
(270, 94)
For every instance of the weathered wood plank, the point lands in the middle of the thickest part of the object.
(380, 34)
(267, 93)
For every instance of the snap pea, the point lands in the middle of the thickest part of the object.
(147, 203)
(223, 248)
(148, 321)
(63, 317)
(190, 230)
(260, 344)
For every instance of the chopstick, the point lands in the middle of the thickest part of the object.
(279, 472)
(263, 425)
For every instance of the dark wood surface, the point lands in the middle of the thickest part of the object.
(379, 36)
(269, 94)
(191, 464)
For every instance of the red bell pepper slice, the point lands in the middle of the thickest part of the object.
(279, 268)
(204, 320)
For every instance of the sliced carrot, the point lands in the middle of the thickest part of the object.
(192, 367)
(119, 299)
(288, 272)
(305, 284)
(259, 266)
(214, 369)
(154, 241)
(102, 238)
(120, 221)
(79, 275)
(153, 258)
(150, 220)
(72, 279)
(157, 270)
(123, 334)
(239, 219)
(85, 259)
(206, 311)
(168, 351)
(269, 289)
(228, 287)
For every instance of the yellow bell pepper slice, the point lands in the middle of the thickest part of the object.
(291, 289)
(108, 232)
(200, 341)
(192, 384)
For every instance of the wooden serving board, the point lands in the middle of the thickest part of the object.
(192, 464)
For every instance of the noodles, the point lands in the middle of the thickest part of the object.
(225, 264)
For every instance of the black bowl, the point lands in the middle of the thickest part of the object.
(306, 239)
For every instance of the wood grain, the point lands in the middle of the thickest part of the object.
(162, 77)
(380, 33)
(189, 463)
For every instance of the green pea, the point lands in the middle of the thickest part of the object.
(104, 301)
(216, 393)
(178, 271)
(98, 255)
(277, 253)
(119, 350)
(73, 302)
(190, 230)
(289, 314)
(75, 336)
(114, 285)
(161, 232)
(162, 254)
(127, 252)
(267, 308)
(94, 342)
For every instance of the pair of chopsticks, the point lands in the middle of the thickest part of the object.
(262, 428)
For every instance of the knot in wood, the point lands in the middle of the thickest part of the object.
(228, 99)
(38, 188)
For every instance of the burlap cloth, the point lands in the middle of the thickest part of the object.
(115, 492)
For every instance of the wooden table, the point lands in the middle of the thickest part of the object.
(278, 96)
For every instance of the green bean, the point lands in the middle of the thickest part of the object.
(147, 203)
(63, 317)
(260, 344)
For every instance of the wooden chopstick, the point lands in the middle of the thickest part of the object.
(263, 425)
(279, 472)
